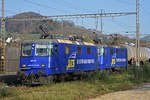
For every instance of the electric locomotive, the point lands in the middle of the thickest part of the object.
(53, 58)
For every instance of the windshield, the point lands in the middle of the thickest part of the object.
(26, 49)
(43, 50)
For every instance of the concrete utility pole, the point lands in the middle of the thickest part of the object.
(96, 23)
(2, 51)
(137, 34)
(101, 21)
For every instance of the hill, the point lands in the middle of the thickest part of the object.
(146, 38)
(32, 27)
(50, 26)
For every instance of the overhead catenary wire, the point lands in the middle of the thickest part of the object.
(122, 25)
(44, 6)
(77, 6)
(124, 2)
(10, 11)
(145, 10)
(73, 16)
(69, 6)
(76, 16)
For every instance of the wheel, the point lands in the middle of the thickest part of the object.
(141, 63)
(46, 79)
(50, 79)
(31, 78)
(21, 77)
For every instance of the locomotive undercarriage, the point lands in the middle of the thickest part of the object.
(34, 79)
(41, 79)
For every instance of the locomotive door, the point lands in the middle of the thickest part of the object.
(106, 58)
(100, 53)
(55, 61)
(70, 56)
(111, 58)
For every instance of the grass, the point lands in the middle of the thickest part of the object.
(34, 36)
(97, 83)
(6, 92)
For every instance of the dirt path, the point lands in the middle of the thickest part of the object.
(140, 93)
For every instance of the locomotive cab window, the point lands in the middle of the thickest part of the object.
(26, 50)
(117, 51)
(56, 49)
(100, 51)
(42, 50)
(67, 50)
(105, 52)
(111, 51)
(122, 52)
(52, 49)
(79, 50)
(88, 51)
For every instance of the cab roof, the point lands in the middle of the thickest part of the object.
(58, 41)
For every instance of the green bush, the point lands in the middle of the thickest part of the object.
(146, 72)
(139, 74)
(4, 92)
(132, 73)
(103, 75)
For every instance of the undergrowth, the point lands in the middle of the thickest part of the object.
(5, 91)
(95, 83)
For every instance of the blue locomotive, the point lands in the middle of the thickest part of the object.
(57, 57)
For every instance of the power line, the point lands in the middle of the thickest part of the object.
(96, 15)
(145, 10)
(44, 6)
(11, 11)
(124, 2)
(121, 24)
(71, 5)
(65, 4)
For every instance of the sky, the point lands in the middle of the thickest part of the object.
(120, 25)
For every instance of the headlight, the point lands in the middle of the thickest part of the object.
(43, 65)
(23, 65)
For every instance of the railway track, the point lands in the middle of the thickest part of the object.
(9, 78)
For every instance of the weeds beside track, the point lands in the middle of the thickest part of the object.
(96, 83)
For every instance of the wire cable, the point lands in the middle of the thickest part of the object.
(65, 6)
(122, 25)
(73, 6)
(124, 2)
(44, 6)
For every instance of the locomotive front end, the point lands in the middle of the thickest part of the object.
(35, 59)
